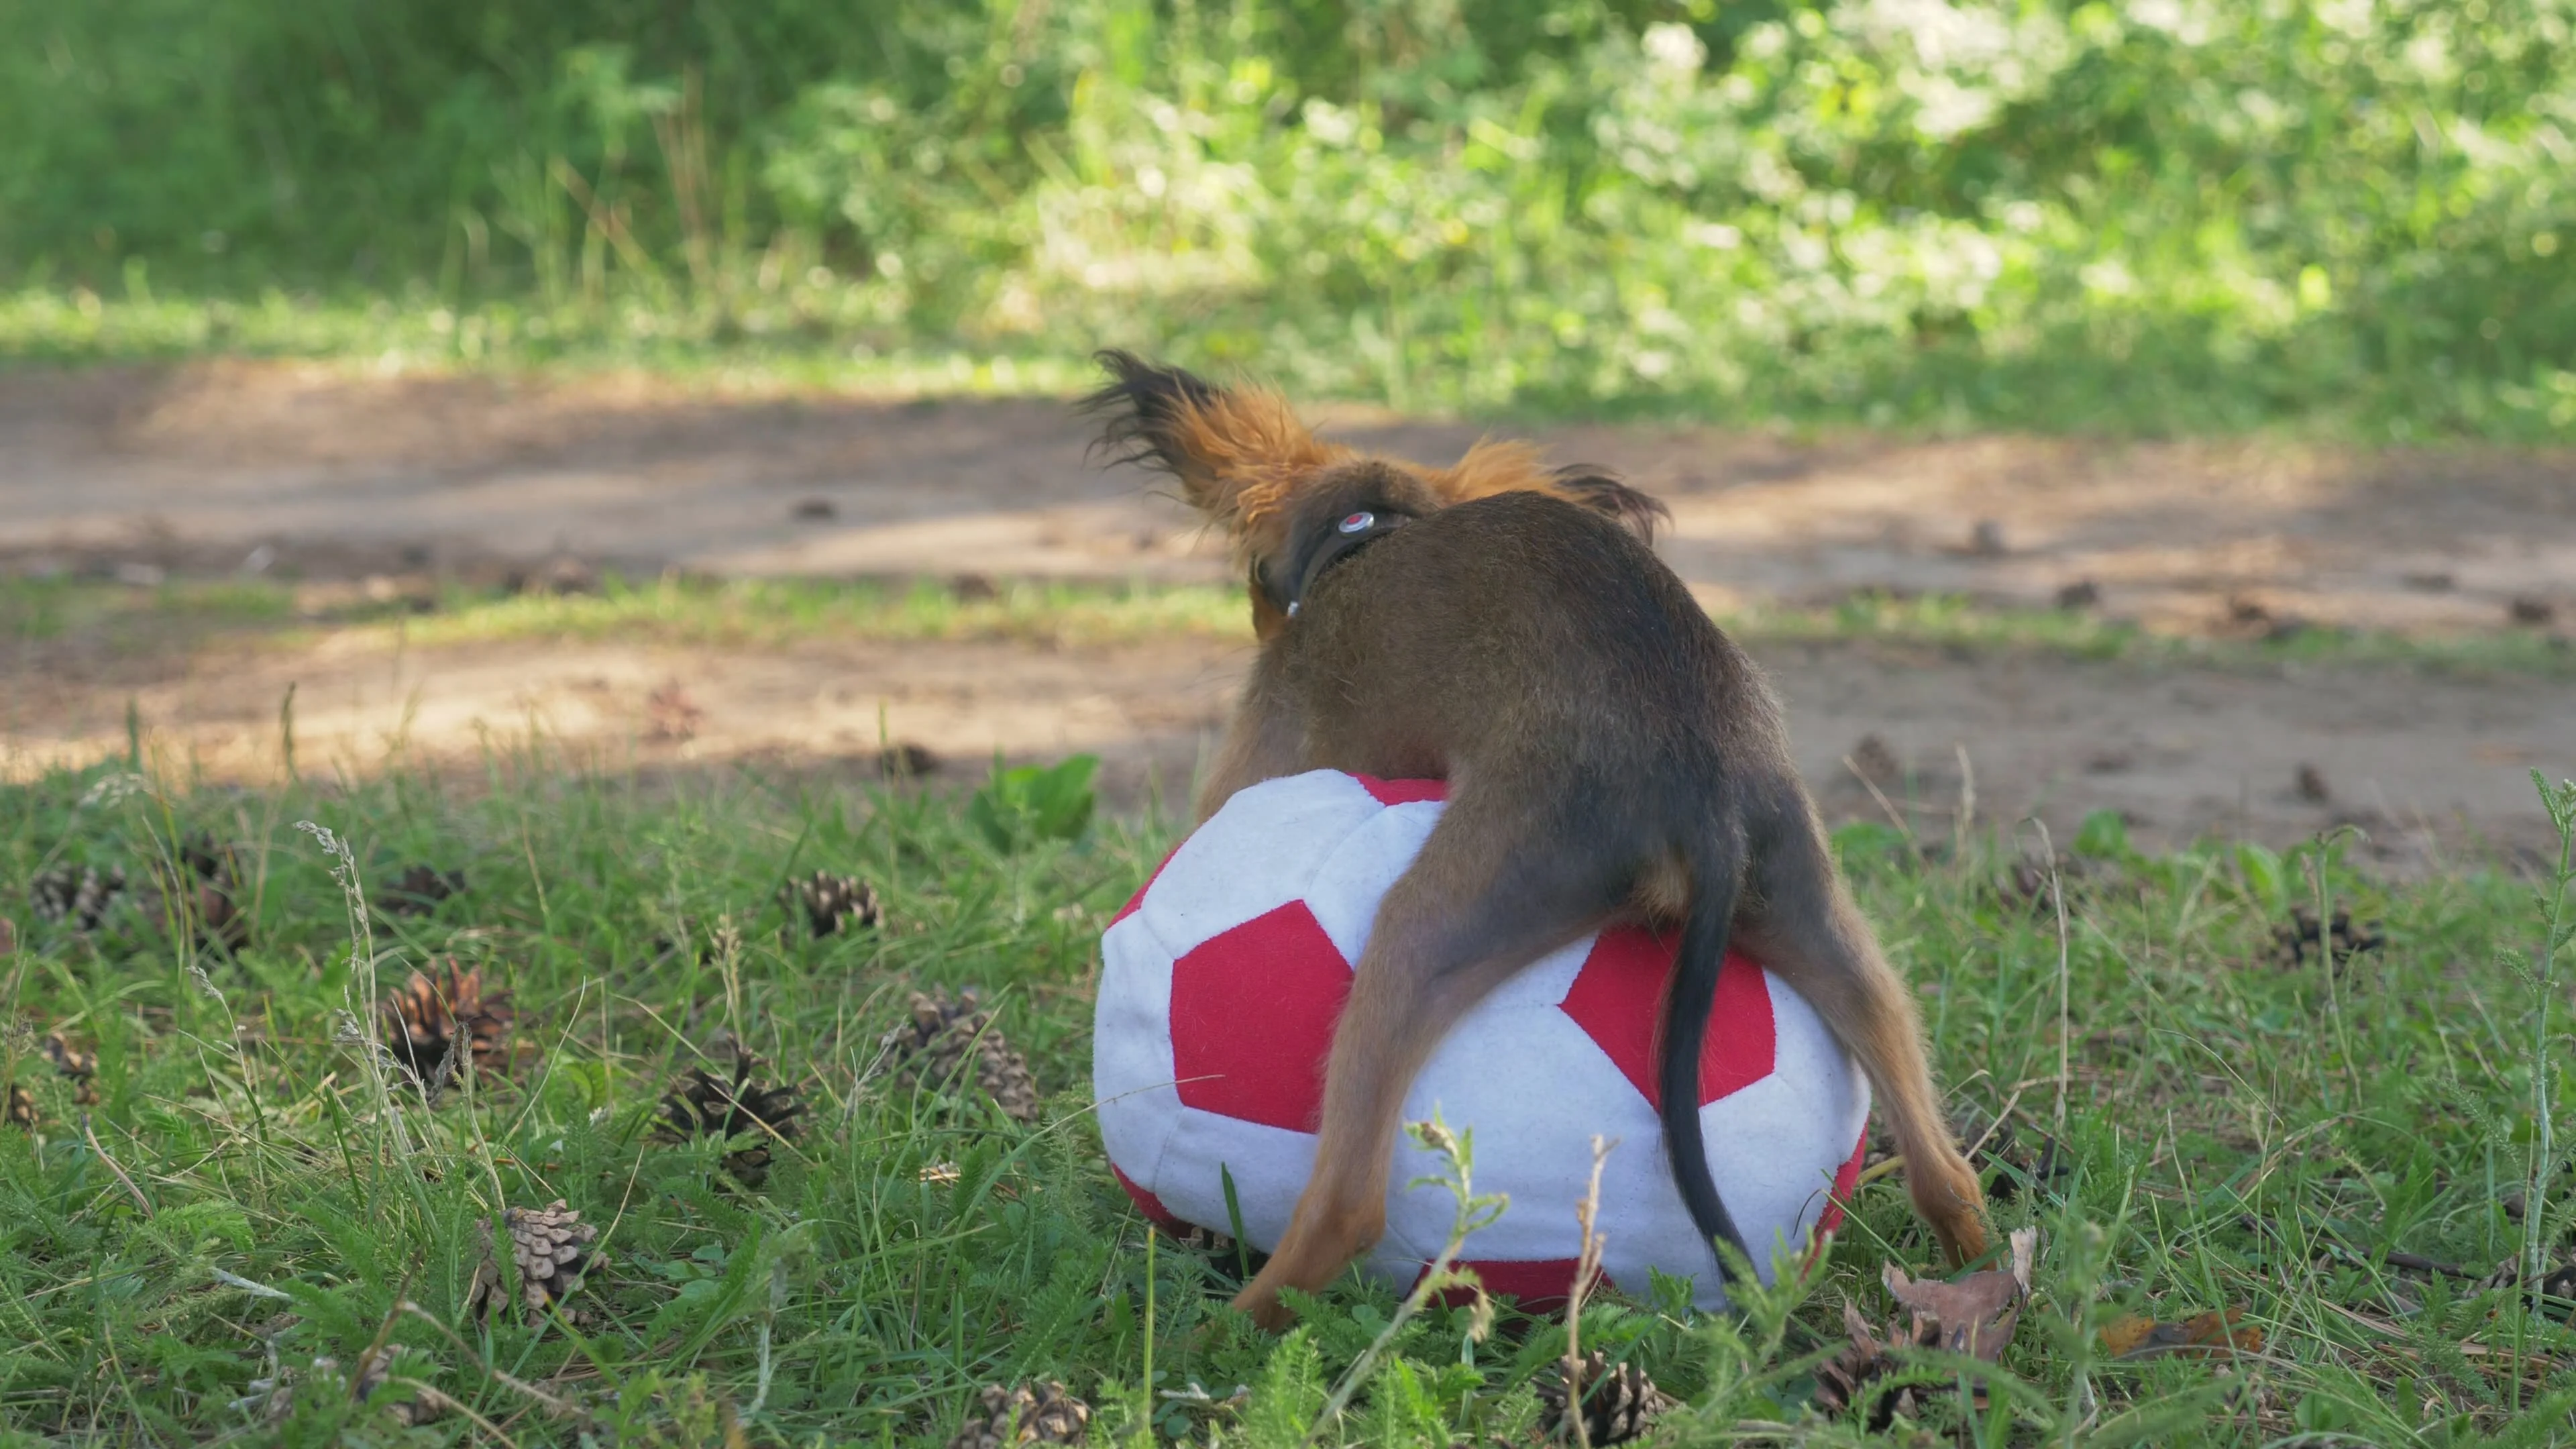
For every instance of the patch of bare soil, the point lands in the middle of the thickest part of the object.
(2427, 768)
(231, 466)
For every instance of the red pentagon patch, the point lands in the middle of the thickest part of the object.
(1252, 1019)
(1148, 1204)
(1138, 899)
(1845, 1179)
(1540, 1284)
(1402, 792)
(1619, 993)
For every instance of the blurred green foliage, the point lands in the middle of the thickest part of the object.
(2162, 214)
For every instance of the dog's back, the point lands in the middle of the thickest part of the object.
(1519, 631)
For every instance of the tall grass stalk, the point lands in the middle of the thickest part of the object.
(2557, 931)
(1457, 1153)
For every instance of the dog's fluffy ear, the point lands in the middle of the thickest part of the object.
(1515, 467)
(1236, 452)
(1602, 491)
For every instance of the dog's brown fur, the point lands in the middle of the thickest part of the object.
(1609, 753)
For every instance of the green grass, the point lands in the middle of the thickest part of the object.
(780, 611)
(757, 613)
(2241, 1133)
(372, 333)
(767, 613)
(1954, 622)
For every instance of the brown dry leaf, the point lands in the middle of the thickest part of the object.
(1839, 1381)
(1975, 1315)
(8, 935)
(2203, 1335)
(1846, 1379)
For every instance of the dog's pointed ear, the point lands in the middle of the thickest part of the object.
(1602, 491)
(1234, 451)
(1515, 467)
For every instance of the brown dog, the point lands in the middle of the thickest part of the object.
(1609, 753)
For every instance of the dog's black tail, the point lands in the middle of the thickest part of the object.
(1717, 874)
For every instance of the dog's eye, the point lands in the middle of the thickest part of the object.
(1356, 522)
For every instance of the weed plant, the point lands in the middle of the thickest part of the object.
(2063, 215)
(247, 1188)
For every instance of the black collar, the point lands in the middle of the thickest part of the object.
(1319, 548)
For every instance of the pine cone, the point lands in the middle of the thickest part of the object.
(80, 899)
(2555, 1283)
(549, 1245)
(483, 1294)
(1199, 1239)
(907, 761)
(1042, 1413)
(835, 903)
(424, 1018)
(2009, 1159)
(76, 1064)
(274, 1397)
(710, 1107)
(1619, 1402)
(1845, 1380)
(21, 1108)
(373, 1370)
(2026, 883)
(723, 939)
(2294, 942)
(419, 889)
(210, 883)
(933, 1046)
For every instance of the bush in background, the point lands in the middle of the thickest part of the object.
(2167, 214)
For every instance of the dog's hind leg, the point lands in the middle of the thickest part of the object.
(1802, 924)
(1491, 891)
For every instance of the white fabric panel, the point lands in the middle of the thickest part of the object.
(1257, 854)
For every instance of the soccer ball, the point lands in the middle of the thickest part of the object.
(1220, 984)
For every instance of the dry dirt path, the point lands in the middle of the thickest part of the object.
(205, 469)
